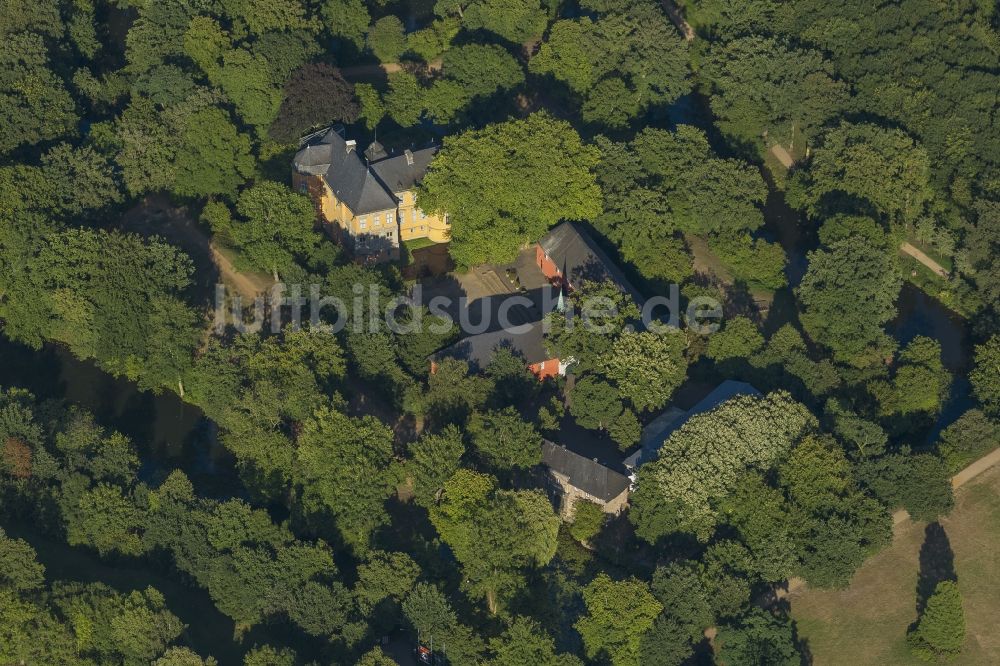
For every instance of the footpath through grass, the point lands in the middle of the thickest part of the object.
(867, 623)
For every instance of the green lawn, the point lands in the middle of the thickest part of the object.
(418, 243)
(867, 623)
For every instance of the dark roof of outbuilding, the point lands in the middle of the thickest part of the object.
(401, 172)
(478, 349)
(576, 254)
(350, 179)
(588, 475)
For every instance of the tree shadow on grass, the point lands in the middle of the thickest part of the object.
(937, 564)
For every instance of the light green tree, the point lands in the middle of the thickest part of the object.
(479, 176)
(619, 613)
(701, 462)
(274, 227)
(848, 294)
(647, 367)
(495, 534)
(344, 467)
(386, 38)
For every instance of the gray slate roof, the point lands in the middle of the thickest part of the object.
(588, 475)
(576, 254)
(345, 172)
(398, 174)
(660, 430)
(478, 349)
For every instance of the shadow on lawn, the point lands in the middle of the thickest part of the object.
(937, 564)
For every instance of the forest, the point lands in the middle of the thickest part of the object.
(426, 517)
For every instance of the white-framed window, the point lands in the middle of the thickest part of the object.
(413, 215)
(363, 223)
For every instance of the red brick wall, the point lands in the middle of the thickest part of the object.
(548, 268)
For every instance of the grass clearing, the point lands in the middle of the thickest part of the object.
(867, 623)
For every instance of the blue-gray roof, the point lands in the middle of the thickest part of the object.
(402, 172)
(351, 180)
(661, 428)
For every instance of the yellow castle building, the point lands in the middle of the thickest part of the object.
(368, 201)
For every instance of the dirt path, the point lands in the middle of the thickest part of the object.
(675, 15)
(899, 517)
(247, 286)
(370, 71)
(782, 155)
(924, 259)
(156, 215)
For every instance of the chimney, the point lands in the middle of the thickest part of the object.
(409, 157)
(351, 145)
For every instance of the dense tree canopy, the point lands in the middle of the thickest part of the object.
(763, 87)
(334, 491)
(868, 169)
(847, 295)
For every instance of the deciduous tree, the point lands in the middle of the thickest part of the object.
(759, 638)
(619, 613)
(495, 534)
(505, 439)
(985, 377)
(344, 468)
(315, 95)
(647, 367)
(478, 178)
(847, 295)
(865, 168)
(700, 463)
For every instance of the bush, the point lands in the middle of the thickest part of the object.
(588, 519)
(969, 438)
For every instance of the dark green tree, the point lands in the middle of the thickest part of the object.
(315, 95)
(504, 439)
(759, 639)
(847, 296)
(985, 377)
(940, 631)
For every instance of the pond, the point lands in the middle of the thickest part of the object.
(917, 312)
(920, 314)
(168, 432)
